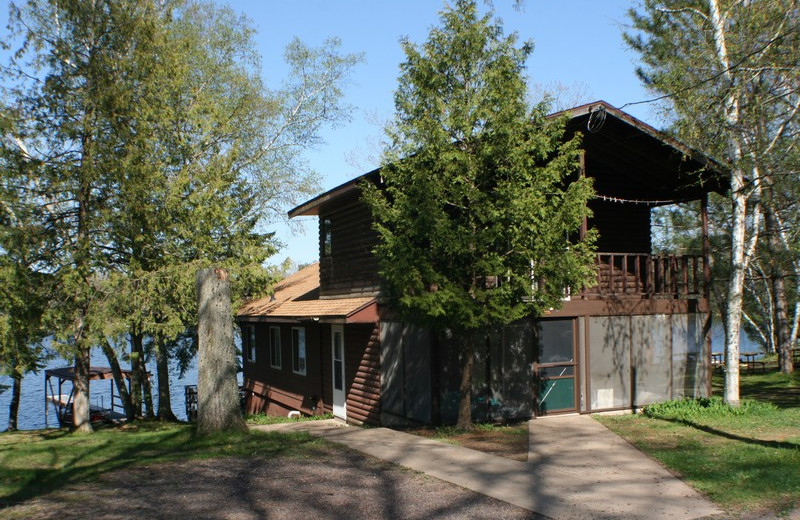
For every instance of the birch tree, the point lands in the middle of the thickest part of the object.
(727, 69)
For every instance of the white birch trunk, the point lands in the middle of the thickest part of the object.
(733, 309)
(217, 389)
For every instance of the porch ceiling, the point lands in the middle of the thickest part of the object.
(631, 160)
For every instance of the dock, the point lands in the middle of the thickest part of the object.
(62, 400)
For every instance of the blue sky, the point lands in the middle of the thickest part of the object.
(578, 44)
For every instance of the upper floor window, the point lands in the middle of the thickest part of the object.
(249, 341)
(299, 350)
(327, 237)
(275, 347)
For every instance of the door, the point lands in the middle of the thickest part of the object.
(339, 395)
(556, 368)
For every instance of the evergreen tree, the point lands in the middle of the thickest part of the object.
(479, 216)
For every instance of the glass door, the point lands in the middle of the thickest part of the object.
(555, 368)
(339, 394)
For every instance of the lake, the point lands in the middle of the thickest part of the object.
(31, 407)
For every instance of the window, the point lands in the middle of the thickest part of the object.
(275, 347)
(299, 350)
(327, 237)
(250, 342)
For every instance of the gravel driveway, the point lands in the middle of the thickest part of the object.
(340, 484)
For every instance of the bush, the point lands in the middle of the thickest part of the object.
(693, 408)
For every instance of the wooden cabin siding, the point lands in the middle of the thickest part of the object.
(623, 228)
(277, 391)
(351, 269)
(363, 373)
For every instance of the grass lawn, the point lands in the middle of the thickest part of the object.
(745, 461)
(36, 462)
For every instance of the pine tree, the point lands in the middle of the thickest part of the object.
(479, 216)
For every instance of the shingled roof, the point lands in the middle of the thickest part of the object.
(296, 299)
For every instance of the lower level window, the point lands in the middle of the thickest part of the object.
(251, 343)
(275, 347)
(299, 350)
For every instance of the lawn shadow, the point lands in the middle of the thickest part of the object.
(40, 481)
(732, 436)
(782, 390)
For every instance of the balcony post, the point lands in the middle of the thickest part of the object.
(706, 247)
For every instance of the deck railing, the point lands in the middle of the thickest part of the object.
(647, 276)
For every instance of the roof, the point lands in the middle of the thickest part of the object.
(95, 373)
(296, 298)
(624, 151)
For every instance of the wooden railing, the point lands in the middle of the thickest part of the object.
(646, 276)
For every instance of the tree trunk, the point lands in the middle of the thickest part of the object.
(465, 389)
(119, 381)
(137, 359)
(147, 390)
(733, 309)
(777, 279)
(217, 389)
(81, 419)
(162, 366)
(16, 392)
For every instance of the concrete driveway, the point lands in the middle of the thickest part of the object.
(576, 469)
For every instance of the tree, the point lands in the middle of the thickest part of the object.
(480, 213)
(728, 70)
(217, 390)
(150, 147)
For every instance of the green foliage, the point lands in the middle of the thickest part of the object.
(481, 201)
(696, 408)
(143, 144)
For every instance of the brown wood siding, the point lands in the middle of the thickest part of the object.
(351, 269)
(278, 391)
(363, 373)
(623, 228)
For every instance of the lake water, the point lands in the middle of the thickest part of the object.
(31, 407)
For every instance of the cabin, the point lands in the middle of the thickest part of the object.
(325, 343)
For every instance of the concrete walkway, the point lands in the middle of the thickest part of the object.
(577, 469)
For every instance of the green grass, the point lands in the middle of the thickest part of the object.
(38, 462)
(262, 419)
(745, 459)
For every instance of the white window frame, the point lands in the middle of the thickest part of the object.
(275, 347)
(251, 343)
(299, 354)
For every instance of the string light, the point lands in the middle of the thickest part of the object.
(620, 200)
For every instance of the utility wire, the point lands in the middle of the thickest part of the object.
(714, 76)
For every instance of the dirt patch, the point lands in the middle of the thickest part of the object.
(510, 441)
(338, 484)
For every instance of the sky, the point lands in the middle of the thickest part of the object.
(577, 44)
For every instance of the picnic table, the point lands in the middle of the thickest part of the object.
(749, 359)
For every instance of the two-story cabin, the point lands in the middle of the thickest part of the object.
(324, 343)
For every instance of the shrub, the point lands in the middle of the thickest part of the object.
(693, 408)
